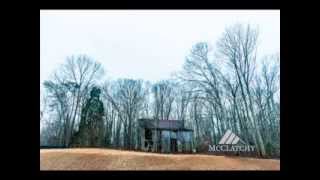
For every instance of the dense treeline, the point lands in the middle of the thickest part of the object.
(218, 89)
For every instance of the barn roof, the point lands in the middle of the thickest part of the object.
(163, 124)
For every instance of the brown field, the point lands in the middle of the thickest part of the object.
(107, 159)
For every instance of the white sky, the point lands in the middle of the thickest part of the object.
(142, 43)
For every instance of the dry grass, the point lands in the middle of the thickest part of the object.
(106, 159)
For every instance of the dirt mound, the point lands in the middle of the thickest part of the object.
(106, 159)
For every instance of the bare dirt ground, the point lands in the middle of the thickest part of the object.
(107, 159)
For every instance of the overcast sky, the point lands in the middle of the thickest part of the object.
(142, 44)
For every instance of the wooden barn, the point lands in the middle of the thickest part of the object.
(167, 136)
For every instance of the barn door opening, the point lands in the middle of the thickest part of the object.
(173, 145)
(148, 140)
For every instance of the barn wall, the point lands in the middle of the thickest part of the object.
(142, 136)
(165, 138)
(154, 138)
(184, 140)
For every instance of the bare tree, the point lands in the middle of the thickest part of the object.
(43, 104)
(203, 74)
(70, 86)
(182, 100)
(238, 45)
(127, 99)
(163, 93)
(267, 85)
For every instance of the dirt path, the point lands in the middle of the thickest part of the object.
(106, 159)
